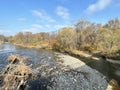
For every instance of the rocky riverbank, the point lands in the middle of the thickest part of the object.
(67, 73)
(94, 81)
(64, 73)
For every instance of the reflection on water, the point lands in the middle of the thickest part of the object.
(5, 50)
(7, 47)
(110, 70)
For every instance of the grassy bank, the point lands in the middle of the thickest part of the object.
(41, 46)
(93, 55)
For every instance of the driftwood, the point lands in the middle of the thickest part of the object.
(16, 74)
(16, 59)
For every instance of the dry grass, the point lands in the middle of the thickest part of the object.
(15, 58)
(114, 84)
(22, 70)
(15, 75)
(44, 45)
(77, 52)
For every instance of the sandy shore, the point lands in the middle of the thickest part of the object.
(77, 65)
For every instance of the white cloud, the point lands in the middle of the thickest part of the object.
(48, 26)
(59, 26)
(21, 19)
(37, 26)
(43, 15)
(5, 32)
(99, 5)
(34, 28)
(62, 12)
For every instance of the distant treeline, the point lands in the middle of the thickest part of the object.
(3, 39)
(84, 35)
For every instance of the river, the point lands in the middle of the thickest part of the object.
(37, 57)
(34, 56)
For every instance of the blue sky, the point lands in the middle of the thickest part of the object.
(50, 15)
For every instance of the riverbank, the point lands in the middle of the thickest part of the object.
(70, 52)
(90, 56)
(75, 53)
(41, 46)
(93, 76)
(59, 71)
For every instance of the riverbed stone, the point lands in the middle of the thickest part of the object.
(72, 74)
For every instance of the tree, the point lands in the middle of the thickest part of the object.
(2, 38)
(19, 38)
(113, 24)
(66, 38)
(28, 37)
(108, 40)
(86, 33)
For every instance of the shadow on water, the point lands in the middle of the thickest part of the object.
(110, 70)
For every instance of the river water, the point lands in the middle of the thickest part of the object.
(46, 59)
(33, 55)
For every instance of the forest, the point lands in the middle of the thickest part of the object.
(82, 36)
